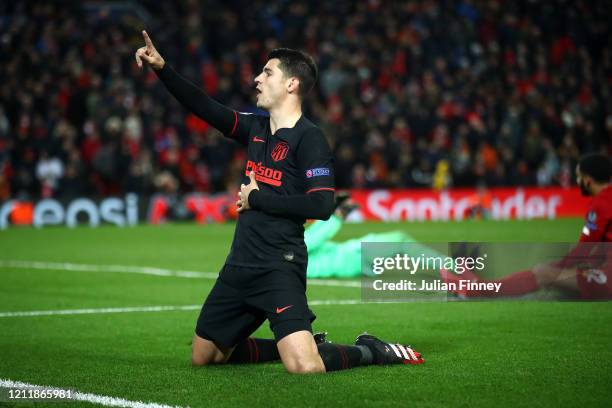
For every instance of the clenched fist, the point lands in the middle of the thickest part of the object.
(149, 54)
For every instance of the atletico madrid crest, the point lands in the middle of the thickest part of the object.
(280, 151)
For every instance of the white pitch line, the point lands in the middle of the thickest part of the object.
(33, 313)
(334, 302)
(103, 310)
(334, 282)
(147, 270)
(87, 397)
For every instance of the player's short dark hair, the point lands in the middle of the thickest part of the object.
(597, 166)
(298, 64)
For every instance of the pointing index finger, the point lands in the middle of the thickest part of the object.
(147, 39)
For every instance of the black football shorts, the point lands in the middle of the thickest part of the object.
(244, 297)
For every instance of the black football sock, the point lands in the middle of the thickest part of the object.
(341, 357)
(252, 350)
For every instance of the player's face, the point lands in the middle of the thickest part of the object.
(271, 85)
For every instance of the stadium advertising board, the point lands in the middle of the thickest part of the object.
(458, 204)
(379, 205)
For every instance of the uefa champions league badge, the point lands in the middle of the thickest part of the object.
(591, 223)
(317, 172)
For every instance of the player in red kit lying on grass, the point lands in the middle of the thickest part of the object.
(585, 272)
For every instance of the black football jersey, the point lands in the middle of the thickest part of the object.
(293, 161)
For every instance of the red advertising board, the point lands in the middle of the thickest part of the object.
(456, 204)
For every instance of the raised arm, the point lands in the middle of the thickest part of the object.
(189, 95)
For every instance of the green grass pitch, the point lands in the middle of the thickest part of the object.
(502, 353)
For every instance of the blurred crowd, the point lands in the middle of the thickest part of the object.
(410, 94)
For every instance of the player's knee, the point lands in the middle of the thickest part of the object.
(199, 360)
(304, 366)
(205, 352)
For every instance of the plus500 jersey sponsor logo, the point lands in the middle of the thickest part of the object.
(264, 174)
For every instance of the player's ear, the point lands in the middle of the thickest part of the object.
(293, 86)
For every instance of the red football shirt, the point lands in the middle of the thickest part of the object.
(594, 258)
(598, 226)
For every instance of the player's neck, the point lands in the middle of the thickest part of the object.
(285, 116)
(598, 188)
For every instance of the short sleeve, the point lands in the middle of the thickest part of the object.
(594, 225)
(316, 162)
